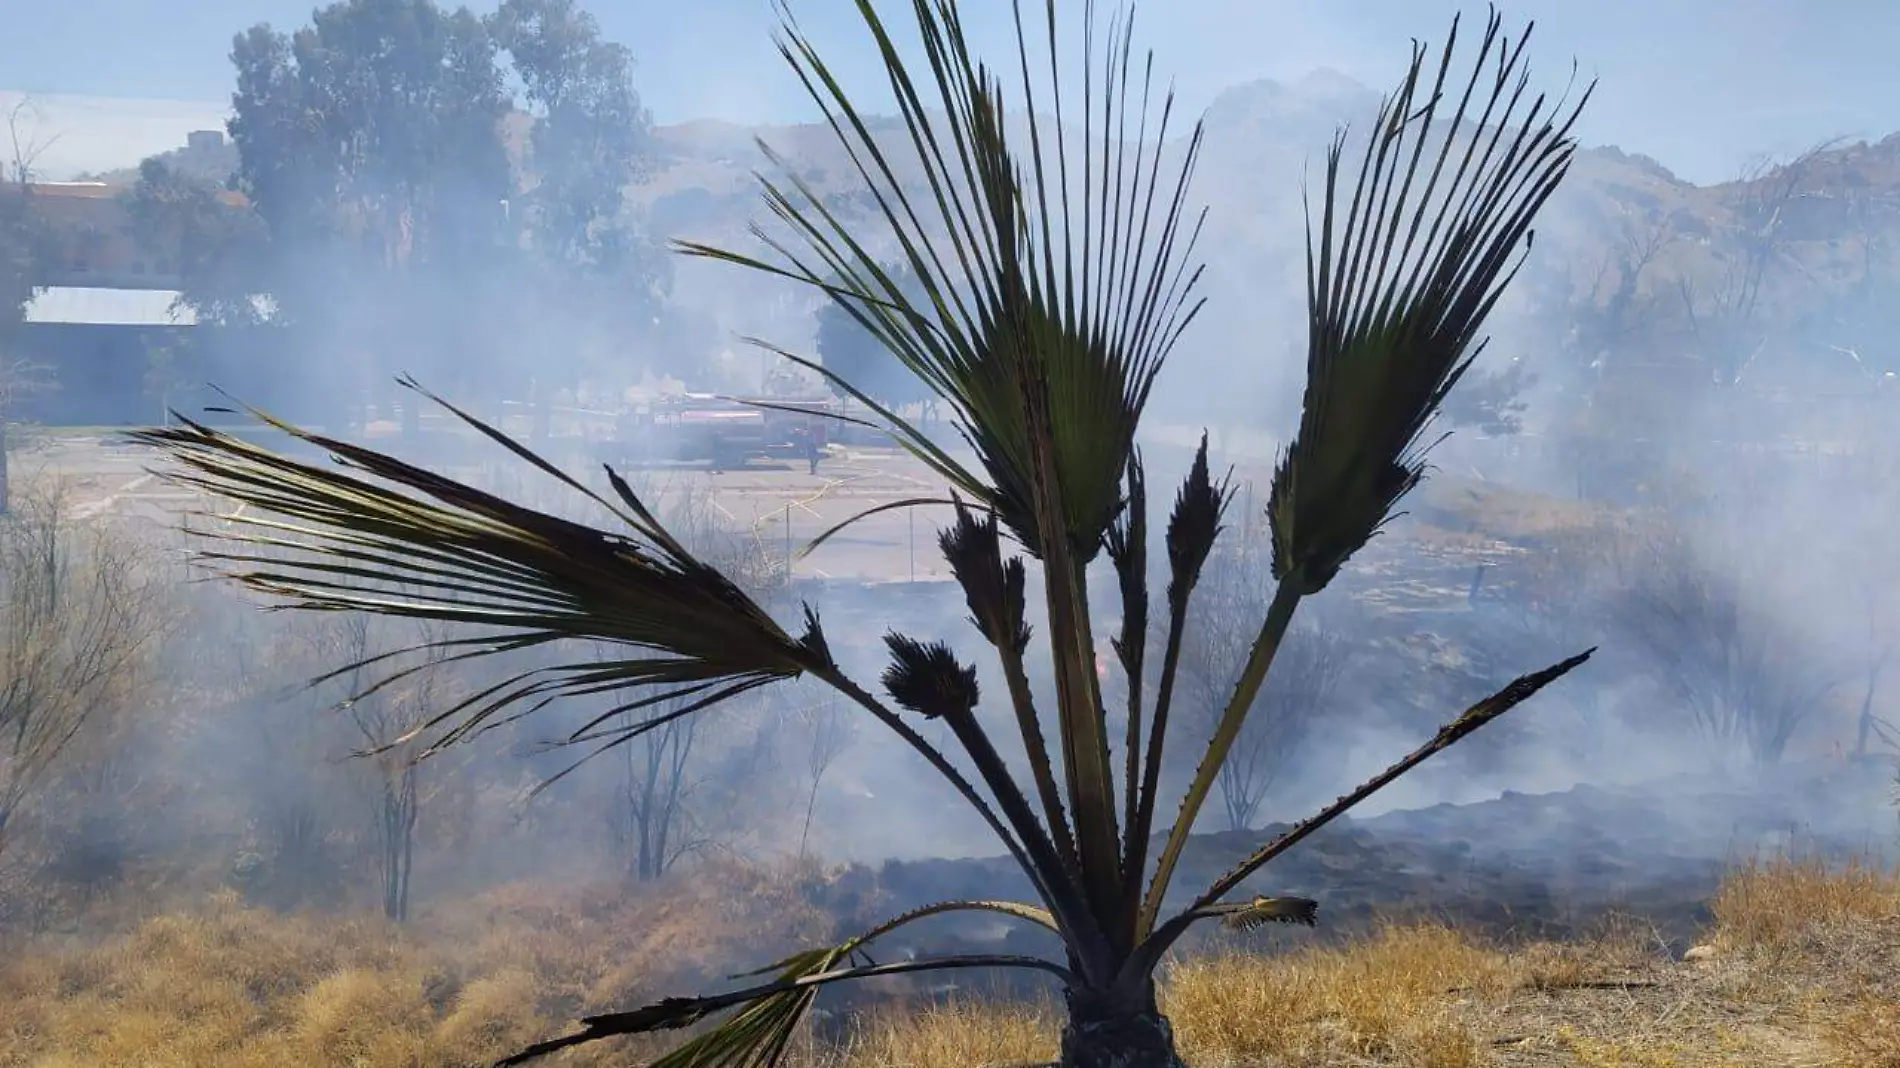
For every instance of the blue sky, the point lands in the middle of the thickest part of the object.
(1703, 85)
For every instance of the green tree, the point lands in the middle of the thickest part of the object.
(851, 350)
(590, 130)
(370, 143)
(217, 248)
(1072, 306)
(591, 137)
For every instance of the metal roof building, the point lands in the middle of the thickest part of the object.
(91, 306)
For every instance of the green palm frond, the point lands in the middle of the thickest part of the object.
(1055, 284)
(1052, 291)
(372, 533)
(1409, 262)
(1403, 276)
(770, 1012)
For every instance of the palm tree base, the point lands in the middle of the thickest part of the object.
(1114, 1031)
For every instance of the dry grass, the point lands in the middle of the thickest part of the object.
(231, 987)
(1802, 967)
(1782, 905)
(960, 1033)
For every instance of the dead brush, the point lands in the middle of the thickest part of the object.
(236, 987)
(1774, 906)
(955, 1033)
(1867, 1034)
(1384, 998)
(230, 986)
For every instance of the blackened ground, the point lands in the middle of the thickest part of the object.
(1546, 866)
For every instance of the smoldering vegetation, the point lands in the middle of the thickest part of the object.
(164, 733)
(167, 740)
(170, 749)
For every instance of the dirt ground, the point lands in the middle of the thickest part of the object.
(781, 505)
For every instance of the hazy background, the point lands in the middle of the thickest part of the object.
(1657, 490)
(1703, 84)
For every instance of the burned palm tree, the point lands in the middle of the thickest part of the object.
(1055, 282)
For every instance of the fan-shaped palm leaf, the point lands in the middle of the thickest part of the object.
(1408, 264)
(1403, 277)
(1053, 294)
(394, 539)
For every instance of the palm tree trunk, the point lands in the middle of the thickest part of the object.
(1109, 1029)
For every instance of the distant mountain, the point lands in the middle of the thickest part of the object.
(1788, 267)
(1794, 259)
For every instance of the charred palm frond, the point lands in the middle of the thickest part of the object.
(769, 1012)
(996, 591)
(1485, 712)
(1260, 911)
(927, 679)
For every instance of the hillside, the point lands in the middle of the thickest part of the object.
(1771, 278)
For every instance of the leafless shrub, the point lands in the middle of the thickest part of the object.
(78, 616)
(827, 728)
(388, 722)
(690, 784)
(654, 789)
(285, 755)
(1306, 674)
(1711, 638)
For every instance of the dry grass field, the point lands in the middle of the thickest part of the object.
(1801, 968)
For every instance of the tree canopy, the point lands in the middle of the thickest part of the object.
(219, 247)
(849, 349)
(405, 219)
